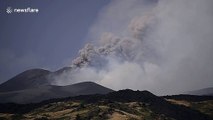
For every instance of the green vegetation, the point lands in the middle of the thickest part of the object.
(17, 117)
(205, 107)
(79, 110)
(3, 118)
(121, 105)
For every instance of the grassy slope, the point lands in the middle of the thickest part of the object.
(77, 110)
(123, 104)
(205, 107)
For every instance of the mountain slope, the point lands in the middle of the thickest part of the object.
(25, 80)
(205, 91)
(31, 79)
(124, 104)
(46, 92)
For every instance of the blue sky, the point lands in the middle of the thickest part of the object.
(49, 39)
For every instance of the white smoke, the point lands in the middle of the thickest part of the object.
(163, 46)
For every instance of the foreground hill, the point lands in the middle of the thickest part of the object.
(45, 92)
(120, 105)
(204, 104)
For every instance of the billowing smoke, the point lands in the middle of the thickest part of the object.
(163, 46)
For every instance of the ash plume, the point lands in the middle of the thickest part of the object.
(163, 46)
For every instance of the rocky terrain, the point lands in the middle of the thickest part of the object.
(120, 105)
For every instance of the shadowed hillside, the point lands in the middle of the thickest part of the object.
(45, 92)
(123, 104)
(28, 79)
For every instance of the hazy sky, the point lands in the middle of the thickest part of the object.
(49, 39)
(164, 46)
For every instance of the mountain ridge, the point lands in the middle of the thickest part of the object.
(203, 91)
(46, 92)
(157, 105)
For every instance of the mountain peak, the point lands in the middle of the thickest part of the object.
(26, 79)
